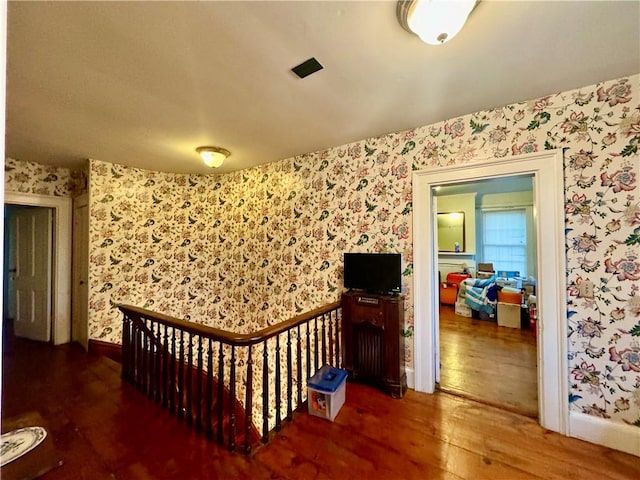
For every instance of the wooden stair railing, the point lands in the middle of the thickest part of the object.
(205, 376)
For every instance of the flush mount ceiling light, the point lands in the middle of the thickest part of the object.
(213, 156)
(434, 21)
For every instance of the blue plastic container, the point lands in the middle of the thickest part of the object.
(326, 392)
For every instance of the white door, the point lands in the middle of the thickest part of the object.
(80, 309)
(32, 232)
(9, 295)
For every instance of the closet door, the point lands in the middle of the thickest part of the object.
(80, 301)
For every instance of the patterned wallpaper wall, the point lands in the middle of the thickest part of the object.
(257, 246)
(30, 177)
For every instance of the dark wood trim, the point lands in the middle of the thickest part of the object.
(225, 336)
(106, 349)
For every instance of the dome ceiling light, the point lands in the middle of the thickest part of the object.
(434, 21)
(213, 156)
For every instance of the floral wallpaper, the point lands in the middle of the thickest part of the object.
(600, 125)
(30, 177)
(247, 249)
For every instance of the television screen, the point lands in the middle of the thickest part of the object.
(378, 273)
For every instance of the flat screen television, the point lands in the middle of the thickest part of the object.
(376, 273)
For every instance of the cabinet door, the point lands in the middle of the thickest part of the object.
(392, 339)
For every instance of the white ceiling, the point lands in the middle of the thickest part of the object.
(145, 83)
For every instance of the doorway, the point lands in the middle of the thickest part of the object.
(547, 171)
(482, 357)
(61, 272)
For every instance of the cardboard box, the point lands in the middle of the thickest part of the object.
(509, 297)
(529, 288)
(508, 315)
(486, 267)
(326, 392)
(485, 270)
(484, 275)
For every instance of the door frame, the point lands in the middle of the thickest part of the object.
(80, 274)
(61, 294)
(548, 191)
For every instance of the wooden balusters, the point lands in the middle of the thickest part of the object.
(189, 374)
(315, 345)
(324, 342)
(157, 351)
(158, 357)
(338, 339)
(331, 357)
(265, 393)
(248, 408)
(135, 347)
(165, 367)
(181, 377)
(145, 362)
(126, 355)
(299, 366)
(208, 402)
(308, 348)
(219, 399)
(172, 374)
(150, 360)
(278, 390)
(289, 378)
(232, 400)
(199, 372)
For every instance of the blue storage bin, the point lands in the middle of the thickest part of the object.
(326, 392)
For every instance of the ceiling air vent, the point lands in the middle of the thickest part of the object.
(307, 68)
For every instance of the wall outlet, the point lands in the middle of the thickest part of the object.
(586, 289)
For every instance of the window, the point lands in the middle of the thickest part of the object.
(504, 240)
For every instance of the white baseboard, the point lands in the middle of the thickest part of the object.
(411, 377)
(618, 436)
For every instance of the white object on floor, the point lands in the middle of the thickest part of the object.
(18, 442)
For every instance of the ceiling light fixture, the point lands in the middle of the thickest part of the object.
(213, 156)
(434, 21)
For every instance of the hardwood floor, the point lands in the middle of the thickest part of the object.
(104, 429)
(488, 363)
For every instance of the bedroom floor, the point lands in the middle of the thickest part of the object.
(485, 362)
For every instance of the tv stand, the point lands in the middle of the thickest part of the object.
(373, 345)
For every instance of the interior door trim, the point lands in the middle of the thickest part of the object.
(61, 295)
(548, 190)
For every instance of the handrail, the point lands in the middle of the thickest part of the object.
(232, 338)
(206, 375)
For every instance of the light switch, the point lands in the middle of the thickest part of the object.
(585, 289)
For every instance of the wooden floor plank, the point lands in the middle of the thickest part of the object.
(105, 429)
(487, 362)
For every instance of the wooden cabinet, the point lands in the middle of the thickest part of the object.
(373, 342)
